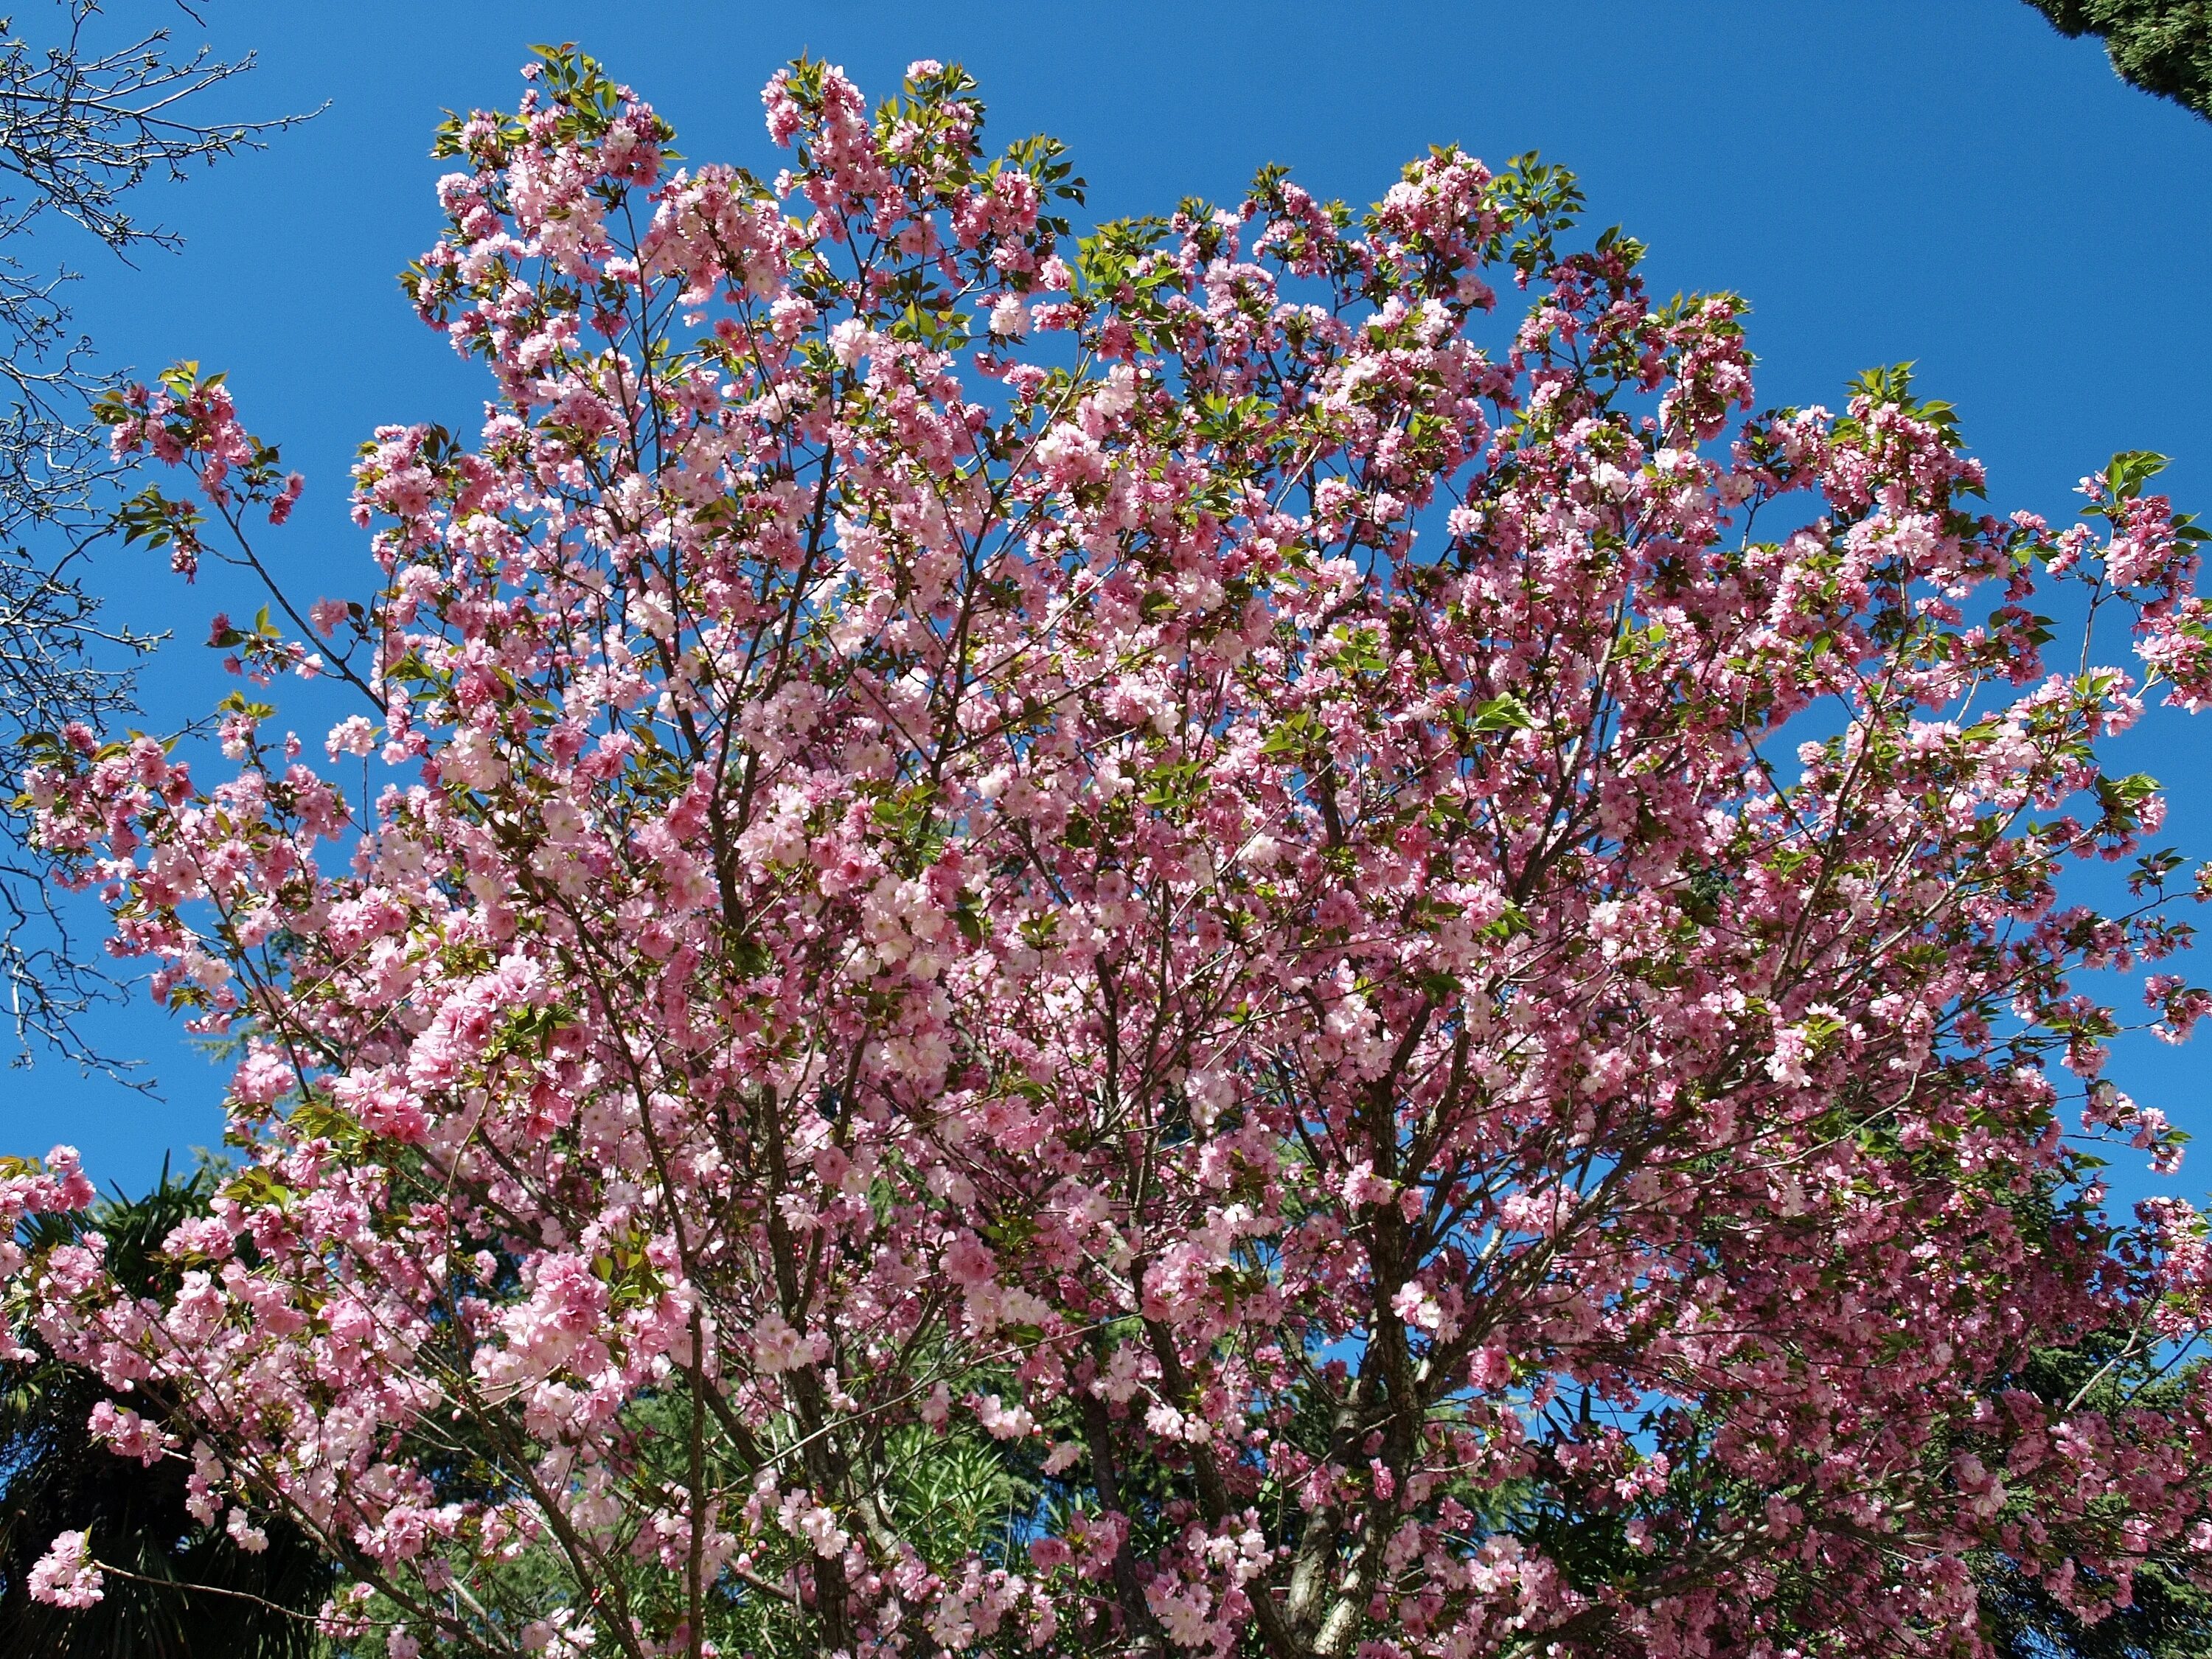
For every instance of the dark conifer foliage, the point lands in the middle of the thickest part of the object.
(2163, 46)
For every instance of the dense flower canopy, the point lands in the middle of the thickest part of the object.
(1161, 944)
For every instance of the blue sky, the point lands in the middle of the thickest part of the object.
(1950, 183)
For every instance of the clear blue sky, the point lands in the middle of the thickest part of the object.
(1882, 179)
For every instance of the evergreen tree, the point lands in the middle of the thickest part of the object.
(2163, 46)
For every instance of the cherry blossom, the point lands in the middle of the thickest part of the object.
(64, 1576)
(1404, 975)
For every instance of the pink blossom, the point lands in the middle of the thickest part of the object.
(65, 1575)
(1366, 927)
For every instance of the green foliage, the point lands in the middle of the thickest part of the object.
(1890, 386)
(958, 1493)
(2163, 46)
(206, 1597)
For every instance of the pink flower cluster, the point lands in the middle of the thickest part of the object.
(65, 1575)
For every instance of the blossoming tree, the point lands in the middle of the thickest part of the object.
(1151, 944)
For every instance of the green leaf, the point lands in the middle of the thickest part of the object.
(2131, 470)
(1292, 737)
(1502, 713)
(1359, 651)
